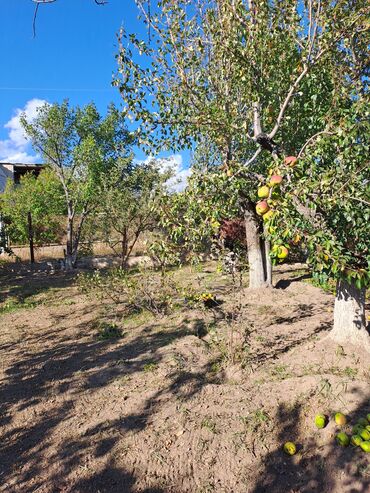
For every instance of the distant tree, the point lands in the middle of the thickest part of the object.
(81, 147)
(128, 204)
(43, 198)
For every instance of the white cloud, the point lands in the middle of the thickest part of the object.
(15, 148)
(175, 164)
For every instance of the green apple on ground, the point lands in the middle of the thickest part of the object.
(365, 446)
(342, 439)
(262, 207)
(320, 421)
(368, 417)
(365, 434)
(340, 419)
(363, 422)
(356, 430)
(290, 448)
(356, 440)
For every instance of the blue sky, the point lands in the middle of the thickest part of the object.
(72, 56)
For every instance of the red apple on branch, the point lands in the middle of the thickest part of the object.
(262, 207)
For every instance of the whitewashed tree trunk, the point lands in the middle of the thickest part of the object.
(349, 315)
(257, 276)
(268, 263)
(68, 260)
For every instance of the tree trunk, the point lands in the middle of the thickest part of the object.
(267, 264)
(69, 250)
(30, 237)
(257, 272)
(349, 315)
(73, 239)
(124, 249)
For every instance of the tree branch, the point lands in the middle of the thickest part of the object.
(323, 132)
(256, 119)
(358, 200)
(287, 101)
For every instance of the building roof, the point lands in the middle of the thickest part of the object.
(25, 165)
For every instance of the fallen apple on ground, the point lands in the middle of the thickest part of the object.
(356, 430)
(362, 422)
(320, 421)
(342, 439)
(290, 448)
(340, 419)
(356, 440)
(365, 435)
(365, 446)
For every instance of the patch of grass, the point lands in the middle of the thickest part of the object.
(68, 302)
(311, 369)
(261, 339)
(264, 309)
(123, 380)
(135, 319)
(280, 372)
(260, 381)
(207, 488)
(12, 305)
(339, 351)
(254, 421)
(348, 371)
(150, 367)
(108, 331)
(215, 367)
(208, 423)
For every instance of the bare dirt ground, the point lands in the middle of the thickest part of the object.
(193, 402)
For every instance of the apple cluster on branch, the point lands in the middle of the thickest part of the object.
(266, 207)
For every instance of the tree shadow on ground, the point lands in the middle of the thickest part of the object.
(285, 283)
(111, 480)
(315, 468)
(282, 344)
(22, 287)
(66, 365)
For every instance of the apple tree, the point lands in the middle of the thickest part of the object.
(260, 80)
(242, 75)
(326, 205)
